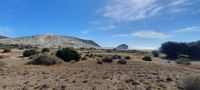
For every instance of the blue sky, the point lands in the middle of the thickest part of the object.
(142, 24)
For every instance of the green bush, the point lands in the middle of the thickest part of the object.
(68, 54)
(116, 56)
(46, 60)
(99, 62)
(156, 53)
(28, 53)
(45, 50)
(192, 83)
(122, 61)
(107, 59)
(6, 50)
(127, 57)
(183, 61)
(147, 58)
(84, 58)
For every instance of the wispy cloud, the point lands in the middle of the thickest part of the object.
(178, 2)
(132, 10)
(188, 29)
(144, 35)
(150, 34)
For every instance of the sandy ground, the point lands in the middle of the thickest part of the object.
(87, 75)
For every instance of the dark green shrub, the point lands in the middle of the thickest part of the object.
(45, 50)
(183, 61)
(84, 58)
(122, 61)
(46, 60)
(28, 53)
(156, 53)
(127, 57)
(192, 83)
(68, 54)
(147, 58)
(107, 59)
(116, 56)
(100, 56)
(99, 62)
(6, 50)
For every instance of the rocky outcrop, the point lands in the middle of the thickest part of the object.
(3, 37)
(51, 41)
(122, 47)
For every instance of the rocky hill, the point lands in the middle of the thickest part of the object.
(122, 47)
(51, 41)
(3, 37)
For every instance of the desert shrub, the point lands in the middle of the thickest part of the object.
(107, 59)
(127, 57)
(192, 83)
(28, 53)
(156, 53)
(99, 62)
(3, 56)
(68, 54)
(2, 63)
(183, 61)
(91, 56)
(100, 56)
(122, 61)
(116, 56)
(45, 50)
(46, 60)
(87, 54)
(84, 58)
(147, 58)
(6, 50)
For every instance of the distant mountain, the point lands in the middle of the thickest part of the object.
(122, 47)
(3, 37)
(51, 41)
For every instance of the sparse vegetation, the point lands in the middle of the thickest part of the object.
(84, 58)
(28, 53)
(2, 63)
(45, 60)
(192, 83)
(6, 50)
(68, 54)
(45, 50)
(107, 59)
(147, 58)
(183, 61)
(3, 56)
(127, 57)
(122, 61)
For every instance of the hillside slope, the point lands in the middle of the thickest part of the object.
(51, 41)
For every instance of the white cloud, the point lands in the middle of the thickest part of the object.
(130, 10)
(188, 29)
(144, 35)
(150, 34)
(178, 2)
(6, 31)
